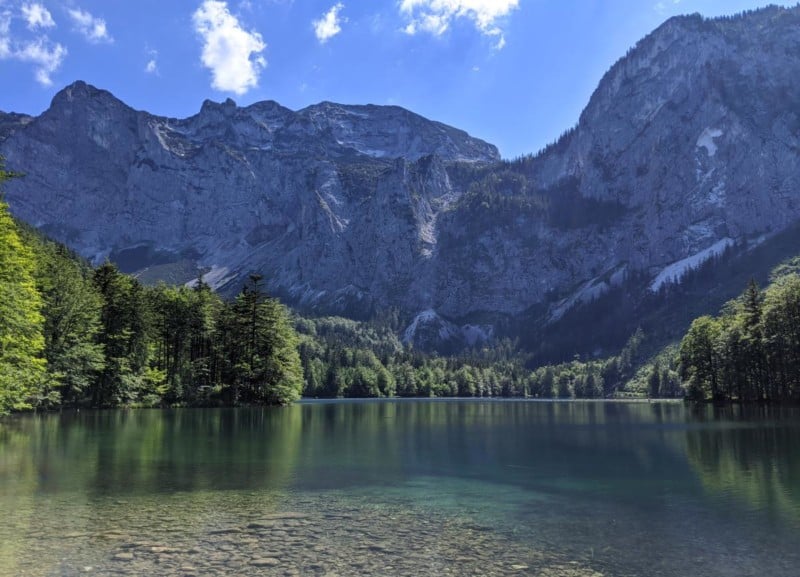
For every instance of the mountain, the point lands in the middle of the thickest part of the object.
(336, 205)
(687, 153)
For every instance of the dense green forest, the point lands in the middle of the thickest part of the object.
(751, 351)
(343, 358)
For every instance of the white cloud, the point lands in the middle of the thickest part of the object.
(152, 61)
(93, 29)
(231, 53)
(330, 24)
(45, 55)
(436, 16)
(5, 41)
(37, 16)
(152, 66)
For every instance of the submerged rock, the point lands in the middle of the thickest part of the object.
(265, 562)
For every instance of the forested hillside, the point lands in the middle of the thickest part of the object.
(71, 335)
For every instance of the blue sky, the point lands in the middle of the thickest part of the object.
(514, 72)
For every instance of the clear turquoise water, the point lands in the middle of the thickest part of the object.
(404, 488)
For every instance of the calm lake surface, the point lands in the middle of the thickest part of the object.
(404, 488)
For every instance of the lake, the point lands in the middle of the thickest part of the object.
(404, 487)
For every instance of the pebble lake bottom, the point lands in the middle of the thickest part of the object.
(404, 487)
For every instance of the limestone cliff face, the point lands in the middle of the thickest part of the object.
(696, 132)
(336, 205)
(688, 146)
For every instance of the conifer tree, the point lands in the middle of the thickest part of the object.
(260, 349)
(124, 336)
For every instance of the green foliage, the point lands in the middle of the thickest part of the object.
(788, 268)
(700, 362)
(22, 363)
(71, 311)
(258, 345)
(183, 341)
(344, 358)
(751, 352)
(658, 377)
(124, 336)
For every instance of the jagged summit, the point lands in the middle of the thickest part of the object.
(371, 130)
(227, 106)
(81, 92)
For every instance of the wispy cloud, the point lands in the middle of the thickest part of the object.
(92, 28)
(330, 24)
(45, 55)
(436, 16)
(661, 7)
(152, 61)
(232, 53)
(37, 16)
(5, 29)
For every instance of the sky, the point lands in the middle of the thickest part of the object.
(516, 73)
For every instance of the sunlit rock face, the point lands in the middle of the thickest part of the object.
(688, 147)
(335, 205)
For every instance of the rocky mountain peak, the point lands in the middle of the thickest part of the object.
(392, 132)
(226, 108)
(79, 94)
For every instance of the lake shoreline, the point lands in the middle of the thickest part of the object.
(310, 400)
(346, 400)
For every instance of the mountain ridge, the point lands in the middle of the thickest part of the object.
(688, 147)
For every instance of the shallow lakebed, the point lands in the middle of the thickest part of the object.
(403, 487)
